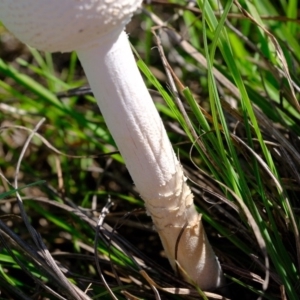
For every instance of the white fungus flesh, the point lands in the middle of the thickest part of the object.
(94, 28)
(65, 25)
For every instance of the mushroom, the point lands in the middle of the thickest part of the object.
(95, 30)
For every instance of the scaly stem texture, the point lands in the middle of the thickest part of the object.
(142, 140)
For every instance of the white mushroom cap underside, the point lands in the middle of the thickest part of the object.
(65, 25)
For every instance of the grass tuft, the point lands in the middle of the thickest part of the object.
(225, 78)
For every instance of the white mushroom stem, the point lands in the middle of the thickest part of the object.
(94, 28)
(141, 138)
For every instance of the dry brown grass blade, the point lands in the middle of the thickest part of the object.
(181, 291)
(263, 121)
(281, 191)
(259, 238)
(45, 141)
(67, 286)
(257, 233)
(267, 125)
(13, 241)
(104, 212)
(171, 77)
(242, 273)
(10, 240)
(179, 40)
(282, 293)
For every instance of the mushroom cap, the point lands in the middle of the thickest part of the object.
(65, 25)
